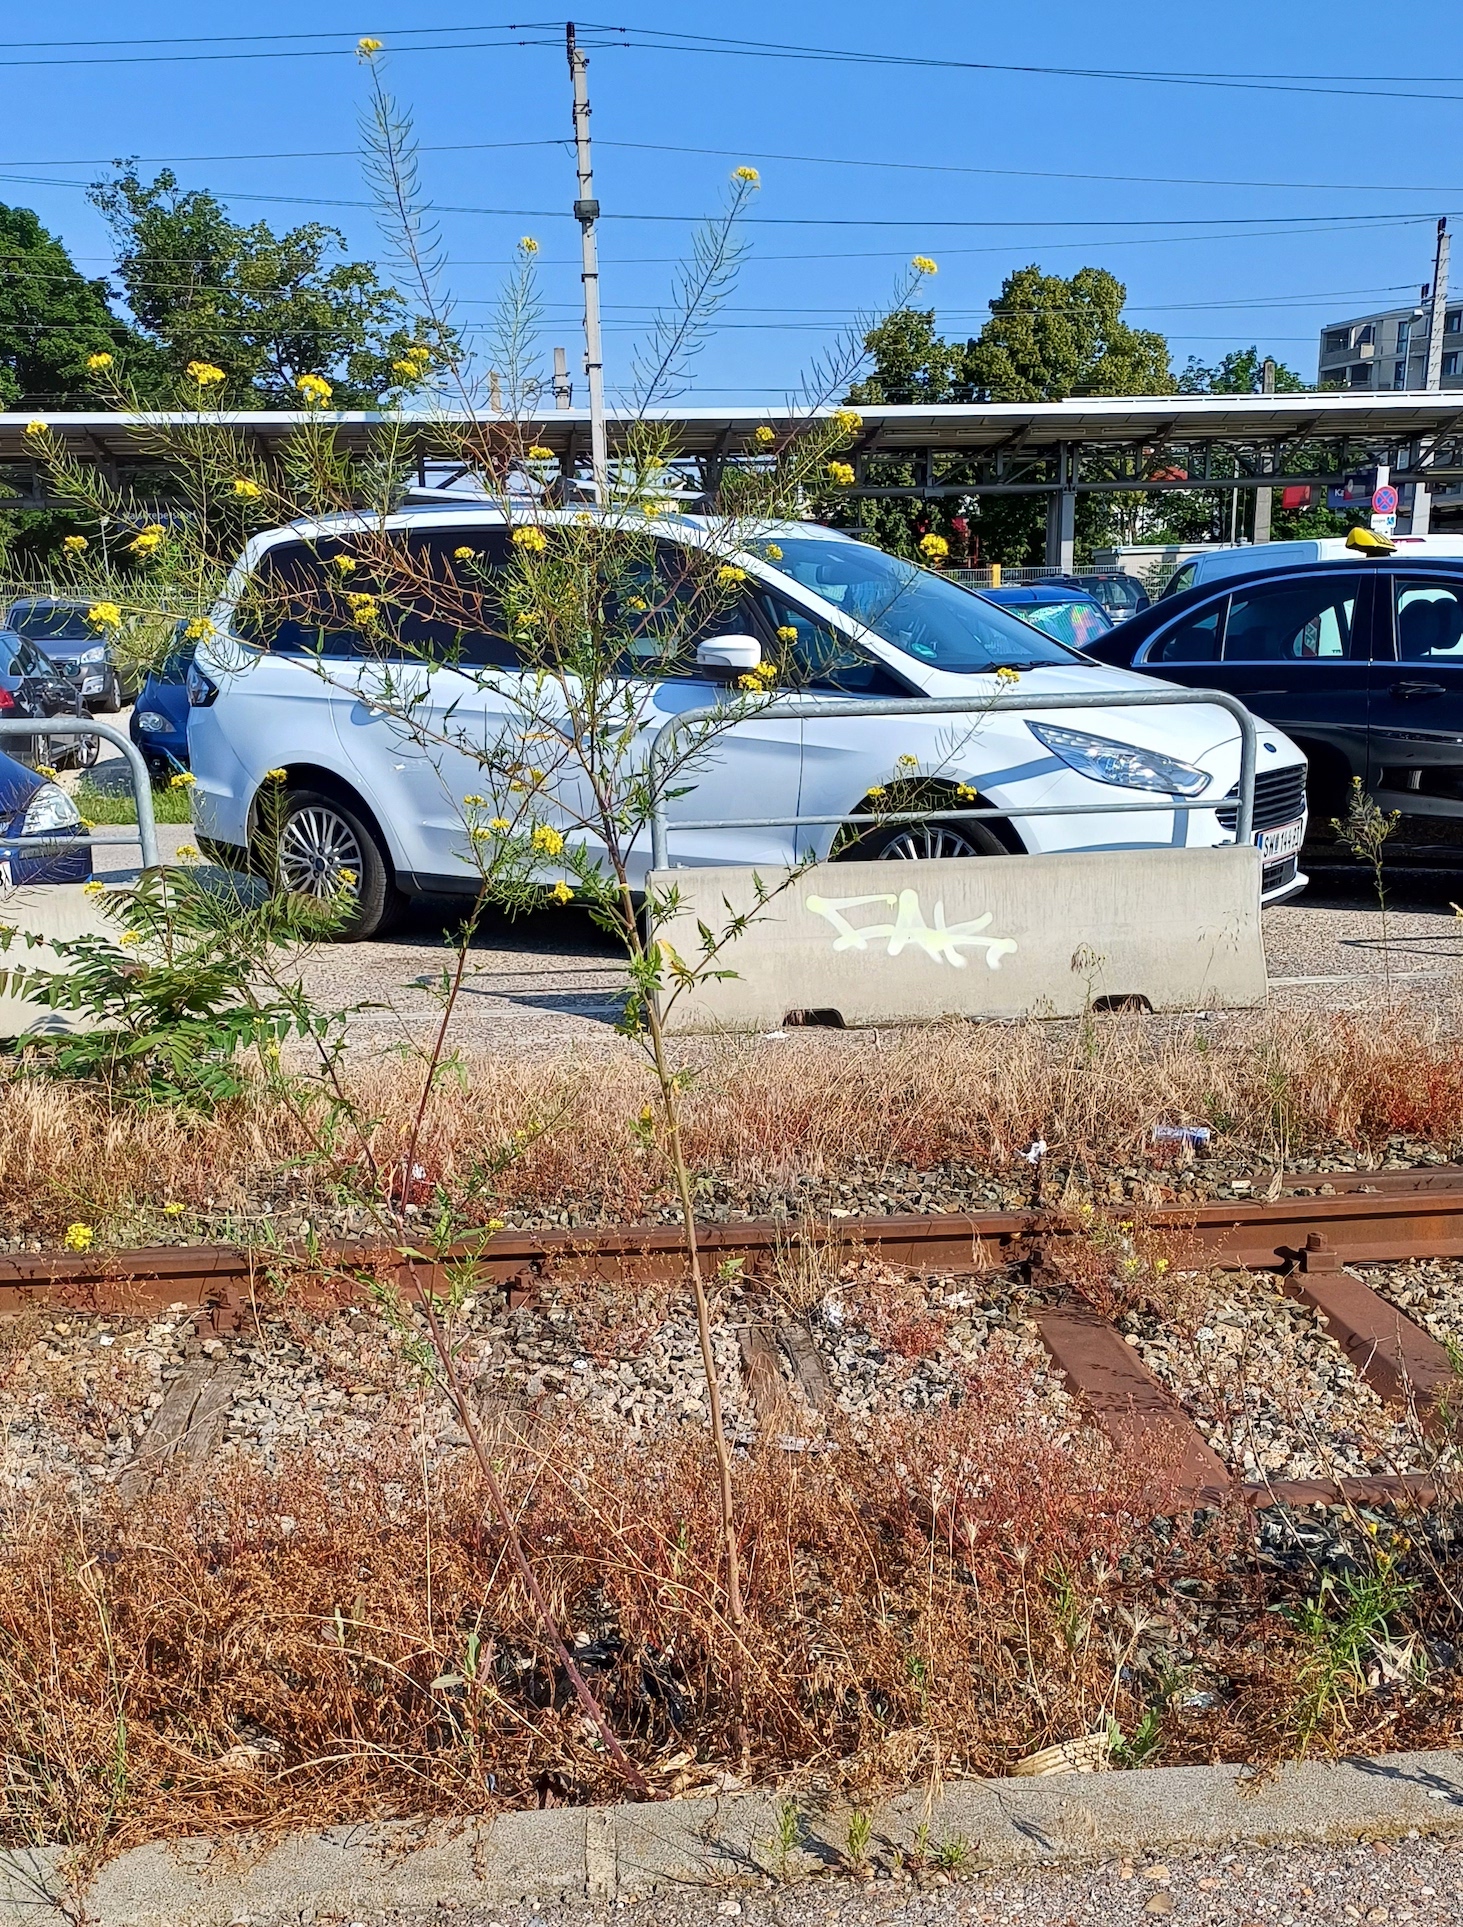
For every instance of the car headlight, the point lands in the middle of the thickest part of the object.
(153, 724)
(1124, 764)
(99, 654)
(202, 690)
(49, 809)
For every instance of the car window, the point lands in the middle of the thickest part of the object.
(931, 619)
(1180, 580)
(417, 599)
(1309, 619)
(1074, 622)
(1429, 619)
(1193, 638)
(46, 622)
(811, 656)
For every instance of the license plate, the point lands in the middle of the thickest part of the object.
(1285, 841)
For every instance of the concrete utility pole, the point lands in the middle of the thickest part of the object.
(1264, 497)
(563, 387)
(1422, 507)
(586, 213)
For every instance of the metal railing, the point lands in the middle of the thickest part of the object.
(13, 728)
(920, 708)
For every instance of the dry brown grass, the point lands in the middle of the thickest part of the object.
(1277, 1087)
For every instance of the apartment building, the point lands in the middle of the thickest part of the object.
(1389, 350)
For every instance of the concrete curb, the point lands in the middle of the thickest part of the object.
(604, 1854)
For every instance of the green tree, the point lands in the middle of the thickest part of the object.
(267, 308)
(1240, 372)
(1049, 337)
(51, 318)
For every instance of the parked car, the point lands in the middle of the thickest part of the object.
(61, 628)
(1259, 558)
(32, 687)
(1360, 662)
(159, 720)
(1071, 615)
(32, 805)
(1120, 595)
(287, 682)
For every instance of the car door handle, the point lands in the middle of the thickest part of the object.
(1407, 691)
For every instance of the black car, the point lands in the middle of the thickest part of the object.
(1360, 663)
(33, 688)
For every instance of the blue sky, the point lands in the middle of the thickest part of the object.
(998, 168)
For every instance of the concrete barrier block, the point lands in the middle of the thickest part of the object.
(891, 942)
(56, 912)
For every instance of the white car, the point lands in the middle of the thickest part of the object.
(1249, 558)
(362, 792)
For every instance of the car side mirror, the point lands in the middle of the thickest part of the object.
(729, 656)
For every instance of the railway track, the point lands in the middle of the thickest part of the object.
(1313, 1226)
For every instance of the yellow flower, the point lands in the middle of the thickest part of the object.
(877, 793)
(1007, 674)
(765, 436)
(464, 554)
(203, 374)
(848, 421)
(186, 851)
(366, 46)
(548, 840)
(364, 608)
(315, 390)
(922, 264)
(786, 633)
(965, 793)
(184, 780)
(908, 762)
(174, 1210)
(197, 629)
(275, 775)
(772, 552)
(74, 544)
(934, 547)
(534, 540)
(528, 244)
(36, 428)
(348, 877)
(97, 362)
(766, 673)
(408, 370)
(104, 615)
(146, 542)
(79, 1237)
(841, 473)
(728, 575)
(245, 490)
(540, 454)
(44, 769)
(344, 563)
(499, 823)
(749, 175)
(478, 833)
(128, 938)
(472, 802)
(93, 889)
(561, 893)
(749, 681)
(496, 1224)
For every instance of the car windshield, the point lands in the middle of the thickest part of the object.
(1069, 620)
(48, 622)
(934, 621)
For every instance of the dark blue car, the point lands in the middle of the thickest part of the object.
(159, 724)
(32, 805)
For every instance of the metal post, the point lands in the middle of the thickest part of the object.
(1264, 497)
(563, 387)
(1061, 517)
(141, 783)
(586, 213)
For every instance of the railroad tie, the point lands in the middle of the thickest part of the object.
(187, 1426)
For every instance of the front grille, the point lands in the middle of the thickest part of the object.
(1280, 797)
(1275, 876)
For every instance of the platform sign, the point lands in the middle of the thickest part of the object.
(1384, 524)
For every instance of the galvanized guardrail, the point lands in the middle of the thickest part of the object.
(919, 708)
(14, 728)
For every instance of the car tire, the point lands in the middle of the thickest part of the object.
(320, 836)
(111, 699)
(906, 842)
(85, 751)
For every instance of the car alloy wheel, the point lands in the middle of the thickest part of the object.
(926, 840)
(319, 853)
